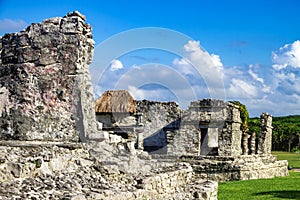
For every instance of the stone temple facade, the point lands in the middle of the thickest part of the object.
(208, 127)
(208, 135)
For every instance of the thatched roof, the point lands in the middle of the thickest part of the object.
(115, 101)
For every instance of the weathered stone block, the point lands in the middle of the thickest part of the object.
(100, 136)
(46, 74)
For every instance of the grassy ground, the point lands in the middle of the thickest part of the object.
(277, 188)
(293, 158)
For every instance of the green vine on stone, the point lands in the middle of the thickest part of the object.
(244, 114)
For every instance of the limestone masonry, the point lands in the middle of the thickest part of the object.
(45, 81)
(56, 142)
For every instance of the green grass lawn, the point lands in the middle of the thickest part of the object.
(277, 188)
(292, 158)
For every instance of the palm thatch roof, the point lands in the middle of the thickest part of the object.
(115, 101)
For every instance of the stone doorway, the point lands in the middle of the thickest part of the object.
(208, 141)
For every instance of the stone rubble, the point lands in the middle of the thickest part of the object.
(51, 171)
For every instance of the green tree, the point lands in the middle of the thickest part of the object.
(254, 125)
(286, 132)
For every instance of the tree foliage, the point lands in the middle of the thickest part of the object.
(286, 132)
(254, 125)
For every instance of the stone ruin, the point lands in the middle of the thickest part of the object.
(51, 146)
(45, 80)
(208, 135)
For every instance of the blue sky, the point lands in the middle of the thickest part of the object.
(232, 50)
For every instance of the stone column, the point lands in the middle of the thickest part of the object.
(253, 143)
(245, 144)
(139, 129)
(234, 129)
(265, 138)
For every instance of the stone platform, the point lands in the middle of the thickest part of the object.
(219, 168)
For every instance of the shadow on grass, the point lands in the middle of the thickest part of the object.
(288, 194)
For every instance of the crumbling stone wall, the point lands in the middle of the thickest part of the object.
(265, 137)
(231, 137)
(45, 72)
(156, 117)
(208, 127)
(57, 170)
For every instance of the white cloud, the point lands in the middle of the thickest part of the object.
(283, 75)
(196, 54)
(137, 93)
(140, 94)
(241, 89)
(9, 25)
(288, 55)
(183, 66)
(116, 65)
(200, 66)
(216, 61)
(279, 66)
(254, 75)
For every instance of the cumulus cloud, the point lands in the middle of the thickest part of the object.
(257, 78)
(208, 65)
(261, 88)
(254, 75)
(183, 66)
(288, 55)
(197, 54)
(286, 70)
(241, 89)
(201, 66)
(116, 65)
(9, 25)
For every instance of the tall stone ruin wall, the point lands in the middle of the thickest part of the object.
(46, 92)
(156, 116)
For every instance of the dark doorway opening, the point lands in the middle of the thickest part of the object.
(208, 141)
